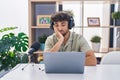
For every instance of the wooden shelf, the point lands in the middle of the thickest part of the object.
(114, 49)
(100, 55)
(112, 1)
(38, 52)
(40, 27)
(43, 0)
(40, 55)
(103, 27)
(47, 7)
(114, 26)
(97, 27)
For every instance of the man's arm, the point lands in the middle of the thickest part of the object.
(57, 46)
(90, 58)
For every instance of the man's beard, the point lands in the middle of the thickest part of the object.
(64, 34)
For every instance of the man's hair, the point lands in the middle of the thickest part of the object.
(60, 16)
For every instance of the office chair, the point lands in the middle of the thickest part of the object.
(111, 58)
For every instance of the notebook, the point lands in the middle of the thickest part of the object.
(64, 62)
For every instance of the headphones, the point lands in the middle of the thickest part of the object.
(71, 23)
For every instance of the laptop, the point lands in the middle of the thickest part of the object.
(64, 62)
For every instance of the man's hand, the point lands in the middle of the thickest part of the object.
(59, 35)
(90, 58)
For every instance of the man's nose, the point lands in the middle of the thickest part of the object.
(59, 28)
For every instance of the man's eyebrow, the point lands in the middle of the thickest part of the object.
(55, 22)
(64, 22)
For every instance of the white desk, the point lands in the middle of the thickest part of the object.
(99, 72)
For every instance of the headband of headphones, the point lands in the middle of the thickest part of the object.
(61, 16)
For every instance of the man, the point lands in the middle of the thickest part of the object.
(64, 40)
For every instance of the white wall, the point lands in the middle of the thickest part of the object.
(14, 13)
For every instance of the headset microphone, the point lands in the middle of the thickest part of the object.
(35, 47)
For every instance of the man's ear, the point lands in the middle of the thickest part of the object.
(51, 25)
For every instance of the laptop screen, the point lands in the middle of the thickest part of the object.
(64, 62)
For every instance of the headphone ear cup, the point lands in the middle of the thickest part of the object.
(51, 25)
(71, 23)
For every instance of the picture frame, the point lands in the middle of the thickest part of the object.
(43, 20)
(93, 21)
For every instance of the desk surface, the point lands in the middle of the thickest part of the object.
(30, 72)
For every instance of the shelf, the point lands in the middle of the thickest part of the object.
(40, 58)
(92, 27)
(40, 27)
(38, 52)
(99, 1)
(100, 55)
(96, 27)
(114, 49)
(87, 1)
(47, 7)
(114, 26)
(79, 27)
(43, 0)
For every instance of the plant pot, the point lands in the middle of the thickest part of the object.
(96, 47)
(42, 45)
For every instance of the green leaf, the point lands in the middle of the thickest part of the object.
(7, 29)
(10, 45)
(25, 58)
(96, 39)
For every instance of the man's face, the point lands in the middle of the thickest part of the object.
(62, 27)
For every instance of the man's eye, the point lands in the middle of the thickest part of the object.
(63, 24)
(56, 25)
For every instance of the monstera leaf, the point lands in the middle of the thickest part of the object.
(11, 47)
(7, 42)
(21, 43)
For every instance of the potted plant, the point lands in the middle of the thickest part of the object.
(96, 43)
(11, 47)
(116, 17)
(42, 40)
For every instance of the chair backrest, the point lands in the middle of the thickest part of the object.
(111, 58)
